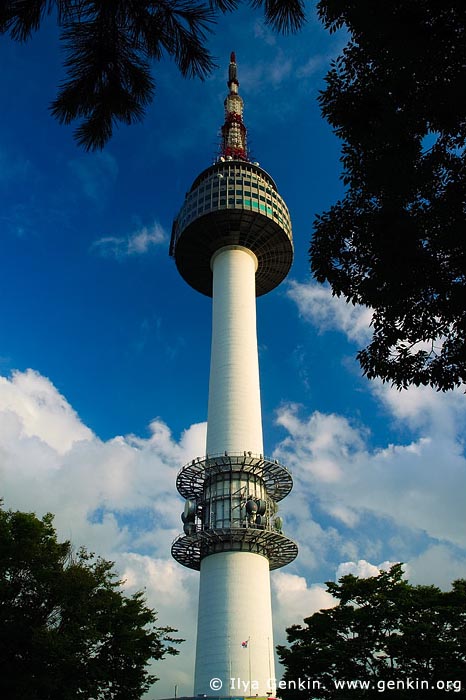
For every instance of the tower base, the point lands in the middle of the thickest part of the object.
(234, 653)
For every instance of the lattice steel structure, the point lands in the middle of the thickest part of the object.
(231, 505)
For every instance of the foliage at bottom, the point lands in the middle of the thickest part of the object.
(385, 636)
(67, 630)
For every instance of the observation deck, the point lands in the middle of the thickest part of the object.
(233, 202)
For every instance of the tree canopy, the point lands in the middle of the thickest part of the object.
(396, 241)
(110, 48)
(385, 634)
(67, 629)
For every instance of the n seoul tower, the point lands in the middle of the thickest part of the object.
(232, 241)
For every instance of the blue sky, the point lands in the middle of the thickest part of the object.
(104, 352)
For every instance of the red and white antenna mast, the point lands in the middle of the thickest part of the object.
(234, 132)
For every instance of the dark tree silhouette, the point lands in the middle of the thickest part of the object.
(67, 630)
(110, 48)
(384, 635)
(396, 242)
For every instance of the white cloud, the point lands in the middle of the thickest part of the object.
(362, 568)
(422, 408)
(343, 513)
(317, 449)
(418, 406)
(38, 410)
(420, 484)
(294, 599)
(117, 497)
(172, 591)
(438, 565)
(326, 312)
(137, 243)
(166, 582)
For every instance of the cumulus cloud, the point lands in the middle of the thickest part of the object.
(420, 484)
(317, 305)
(344, 514)
(438, 565)
(326, 312)
(423, 409)
(320, 446)
(294, 599)
(33, 408)
(138, 243)
(117, 497)
(362, 568)
(172, 590)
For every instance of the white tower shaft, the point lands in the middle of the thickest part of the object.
(234, 634)
(234, 415)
